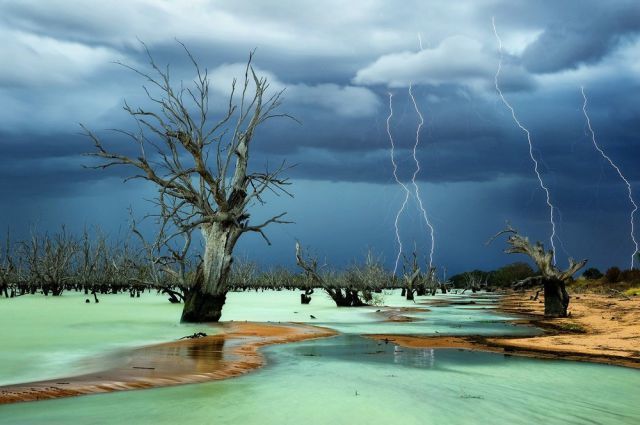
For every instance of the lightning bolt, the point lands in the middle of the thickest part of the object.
(533, 159)
(615, 167)
(404, 187)
(415, 173)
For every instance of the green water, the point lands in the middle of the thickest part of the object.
(347, 379)
(51, 337)
(350, 380)
(284, 306)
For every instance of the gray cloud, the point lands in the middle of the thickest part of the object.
(337, 63)
(595, 34)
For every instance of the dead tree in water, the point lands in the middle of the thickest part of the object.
(200, 167)
(343, 297)
(412, 279)
(8, 270)
(553, 280)
(474, 281)
(50, 261)
(167, 263)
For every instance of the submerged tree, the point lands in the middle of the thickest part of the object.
(342, 288)
(200, 166)
(412, 278)
(552, 279)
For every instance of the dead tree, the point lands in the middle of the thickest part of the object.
(50, 260)
(553, 280)
(243, 273)
(200, 167)
(339, 292)
(91, 256)
(412, 277)
(8, 272)
(474, 281)
(167, 264)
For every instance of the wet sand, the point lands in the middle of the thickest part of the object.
(600, 329)
(232, 352)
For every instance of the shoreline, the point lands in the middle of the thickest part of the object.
(601, 329)
(232, 352)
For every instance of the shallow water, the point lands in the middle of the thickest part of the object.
(352, 380)
(284, 306)
(346, 379)
(50, 337)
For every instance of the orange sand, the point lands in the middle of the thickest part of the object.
(599, 325)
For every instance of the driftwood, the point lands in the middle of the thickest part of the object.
(620, 294)
(195, 335)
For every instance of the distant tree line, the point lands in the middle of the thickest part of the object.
(612, 275)
(504, 277)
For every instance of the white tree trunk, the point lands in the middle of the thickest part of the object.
(205, 301)
(219, 244)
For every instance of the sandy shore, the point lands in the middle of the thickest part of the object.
(232, 352)
(601, 326)
(600, 329)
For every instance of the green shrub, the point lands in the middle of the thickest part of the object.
(592, 274)
(612, 275)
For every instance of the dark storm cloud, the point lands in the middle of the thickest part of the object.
(597, 31)
(338, 63)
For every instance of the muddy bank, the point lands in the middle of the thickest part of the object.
(232, 352)
(601, 329)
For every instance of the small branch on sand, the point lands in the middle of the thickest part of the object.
(195, 335)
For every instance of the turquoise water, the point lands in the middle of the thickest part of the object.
(284, 306)
(347, 379)
(351, 380)
(51, 337)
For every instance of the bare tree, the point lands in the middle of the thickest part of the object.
(167, 263)
(342, 288)
(200, 166)
(556, 298)
(412, 276)
(8, 272)
(474, 280)
(50, 260)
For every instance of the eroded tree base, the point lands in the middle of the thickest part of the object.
(556, 298)
(348, 298)
(200, 307)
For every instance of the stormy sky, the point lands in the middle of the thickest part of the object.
(338, 62)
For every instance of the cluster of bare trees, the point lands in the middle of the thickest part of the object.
(354, 286)
(417, 282)
(53, 263)
(92, 263)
